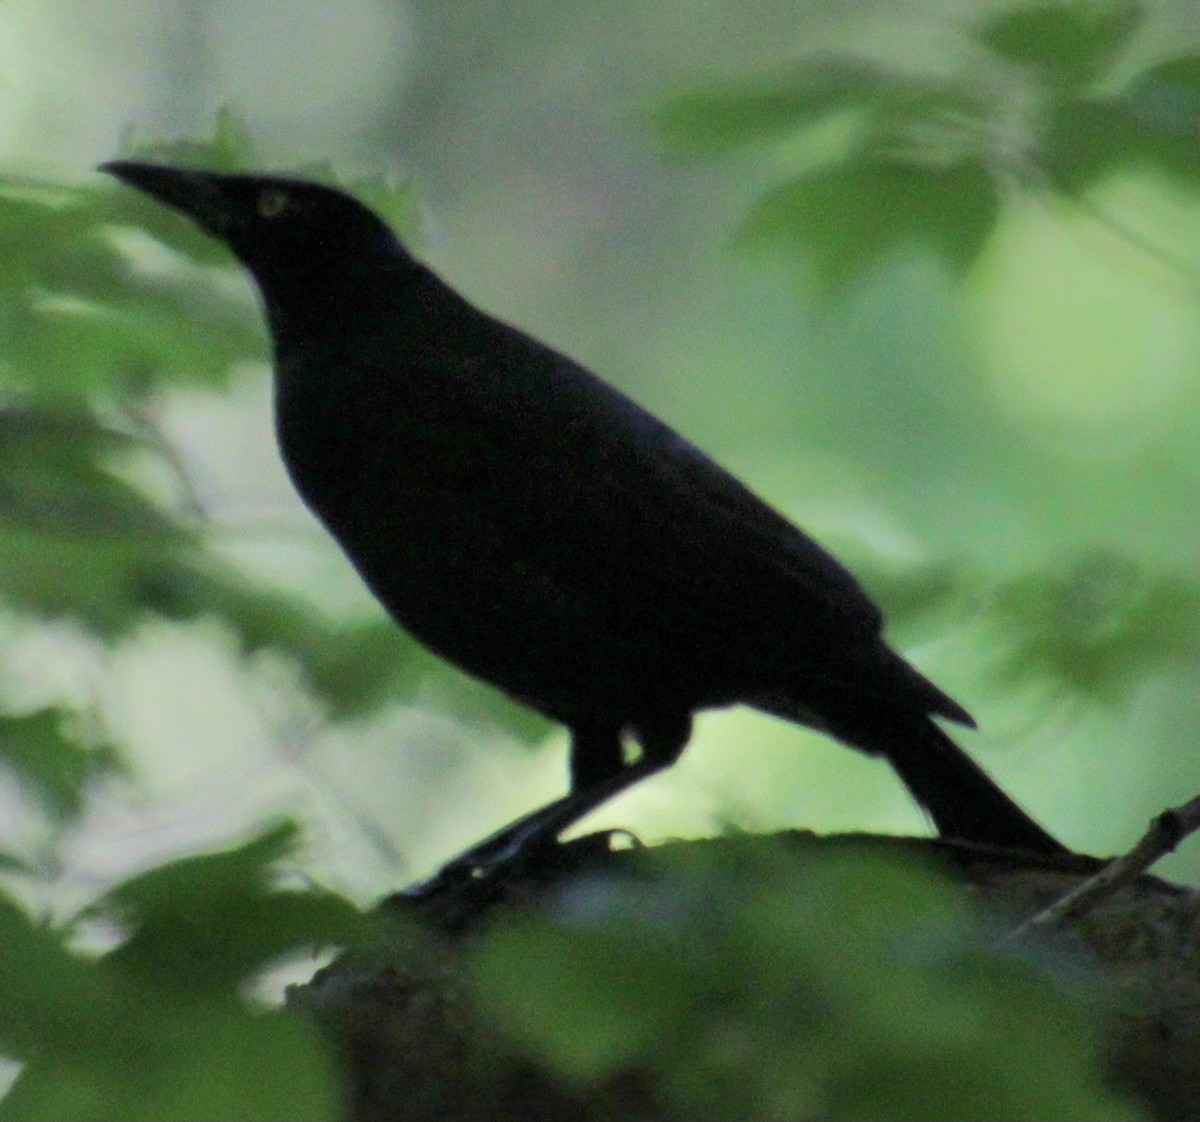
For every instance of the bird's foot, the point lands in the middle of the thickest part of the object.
(464, 890)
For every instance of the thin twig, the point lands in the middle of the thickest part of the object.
(1163, 837)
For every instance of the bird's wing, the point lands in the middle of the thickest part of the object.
(617, 501)
(569, 520)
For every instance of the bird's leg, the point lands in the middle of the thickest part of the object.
(595, 755)
(593, 752)
(664, 735)
(531, 832)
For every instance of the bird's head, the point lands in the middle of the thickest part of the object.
(277, 227)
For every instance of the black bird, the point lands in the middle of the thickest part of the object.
(539, 529)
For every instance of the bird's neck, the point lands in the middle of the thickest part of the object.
(319, 303)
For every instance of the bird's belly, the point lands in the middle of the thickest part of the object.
(467, 596)
(539, 602)
(571, 651)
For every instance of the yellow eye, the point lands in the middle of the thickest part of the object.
(272, 203)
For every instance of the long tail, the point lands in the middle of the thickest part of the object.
(961, 798)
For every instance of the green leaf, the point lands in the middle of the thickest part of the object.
(708, 121)
(749, 978)
(847, 218)
(76, 540)
(49, 997)
(1152, 125)
(622, 1004)
(192, 881)
(77, 321)
(1083, 142)
(101, 1044)
(1162, 118)
(152, 1029)
(1070, 43)
(100, 581)
(230, 148)
(54, 765)
(1177, 83)
(206, 922)
(1097, 625)
(170, 1058)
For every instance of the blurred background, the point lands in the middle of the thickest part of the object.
(922, 276)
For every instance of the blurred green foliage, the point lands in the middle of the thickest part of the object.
(826, 981)
(54, 764)
(897, 158)
(87, 341)
(1095, 627)
(743, 979)
(157, 1027)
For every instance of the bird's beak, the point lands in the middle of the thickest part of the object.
(197, 194)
